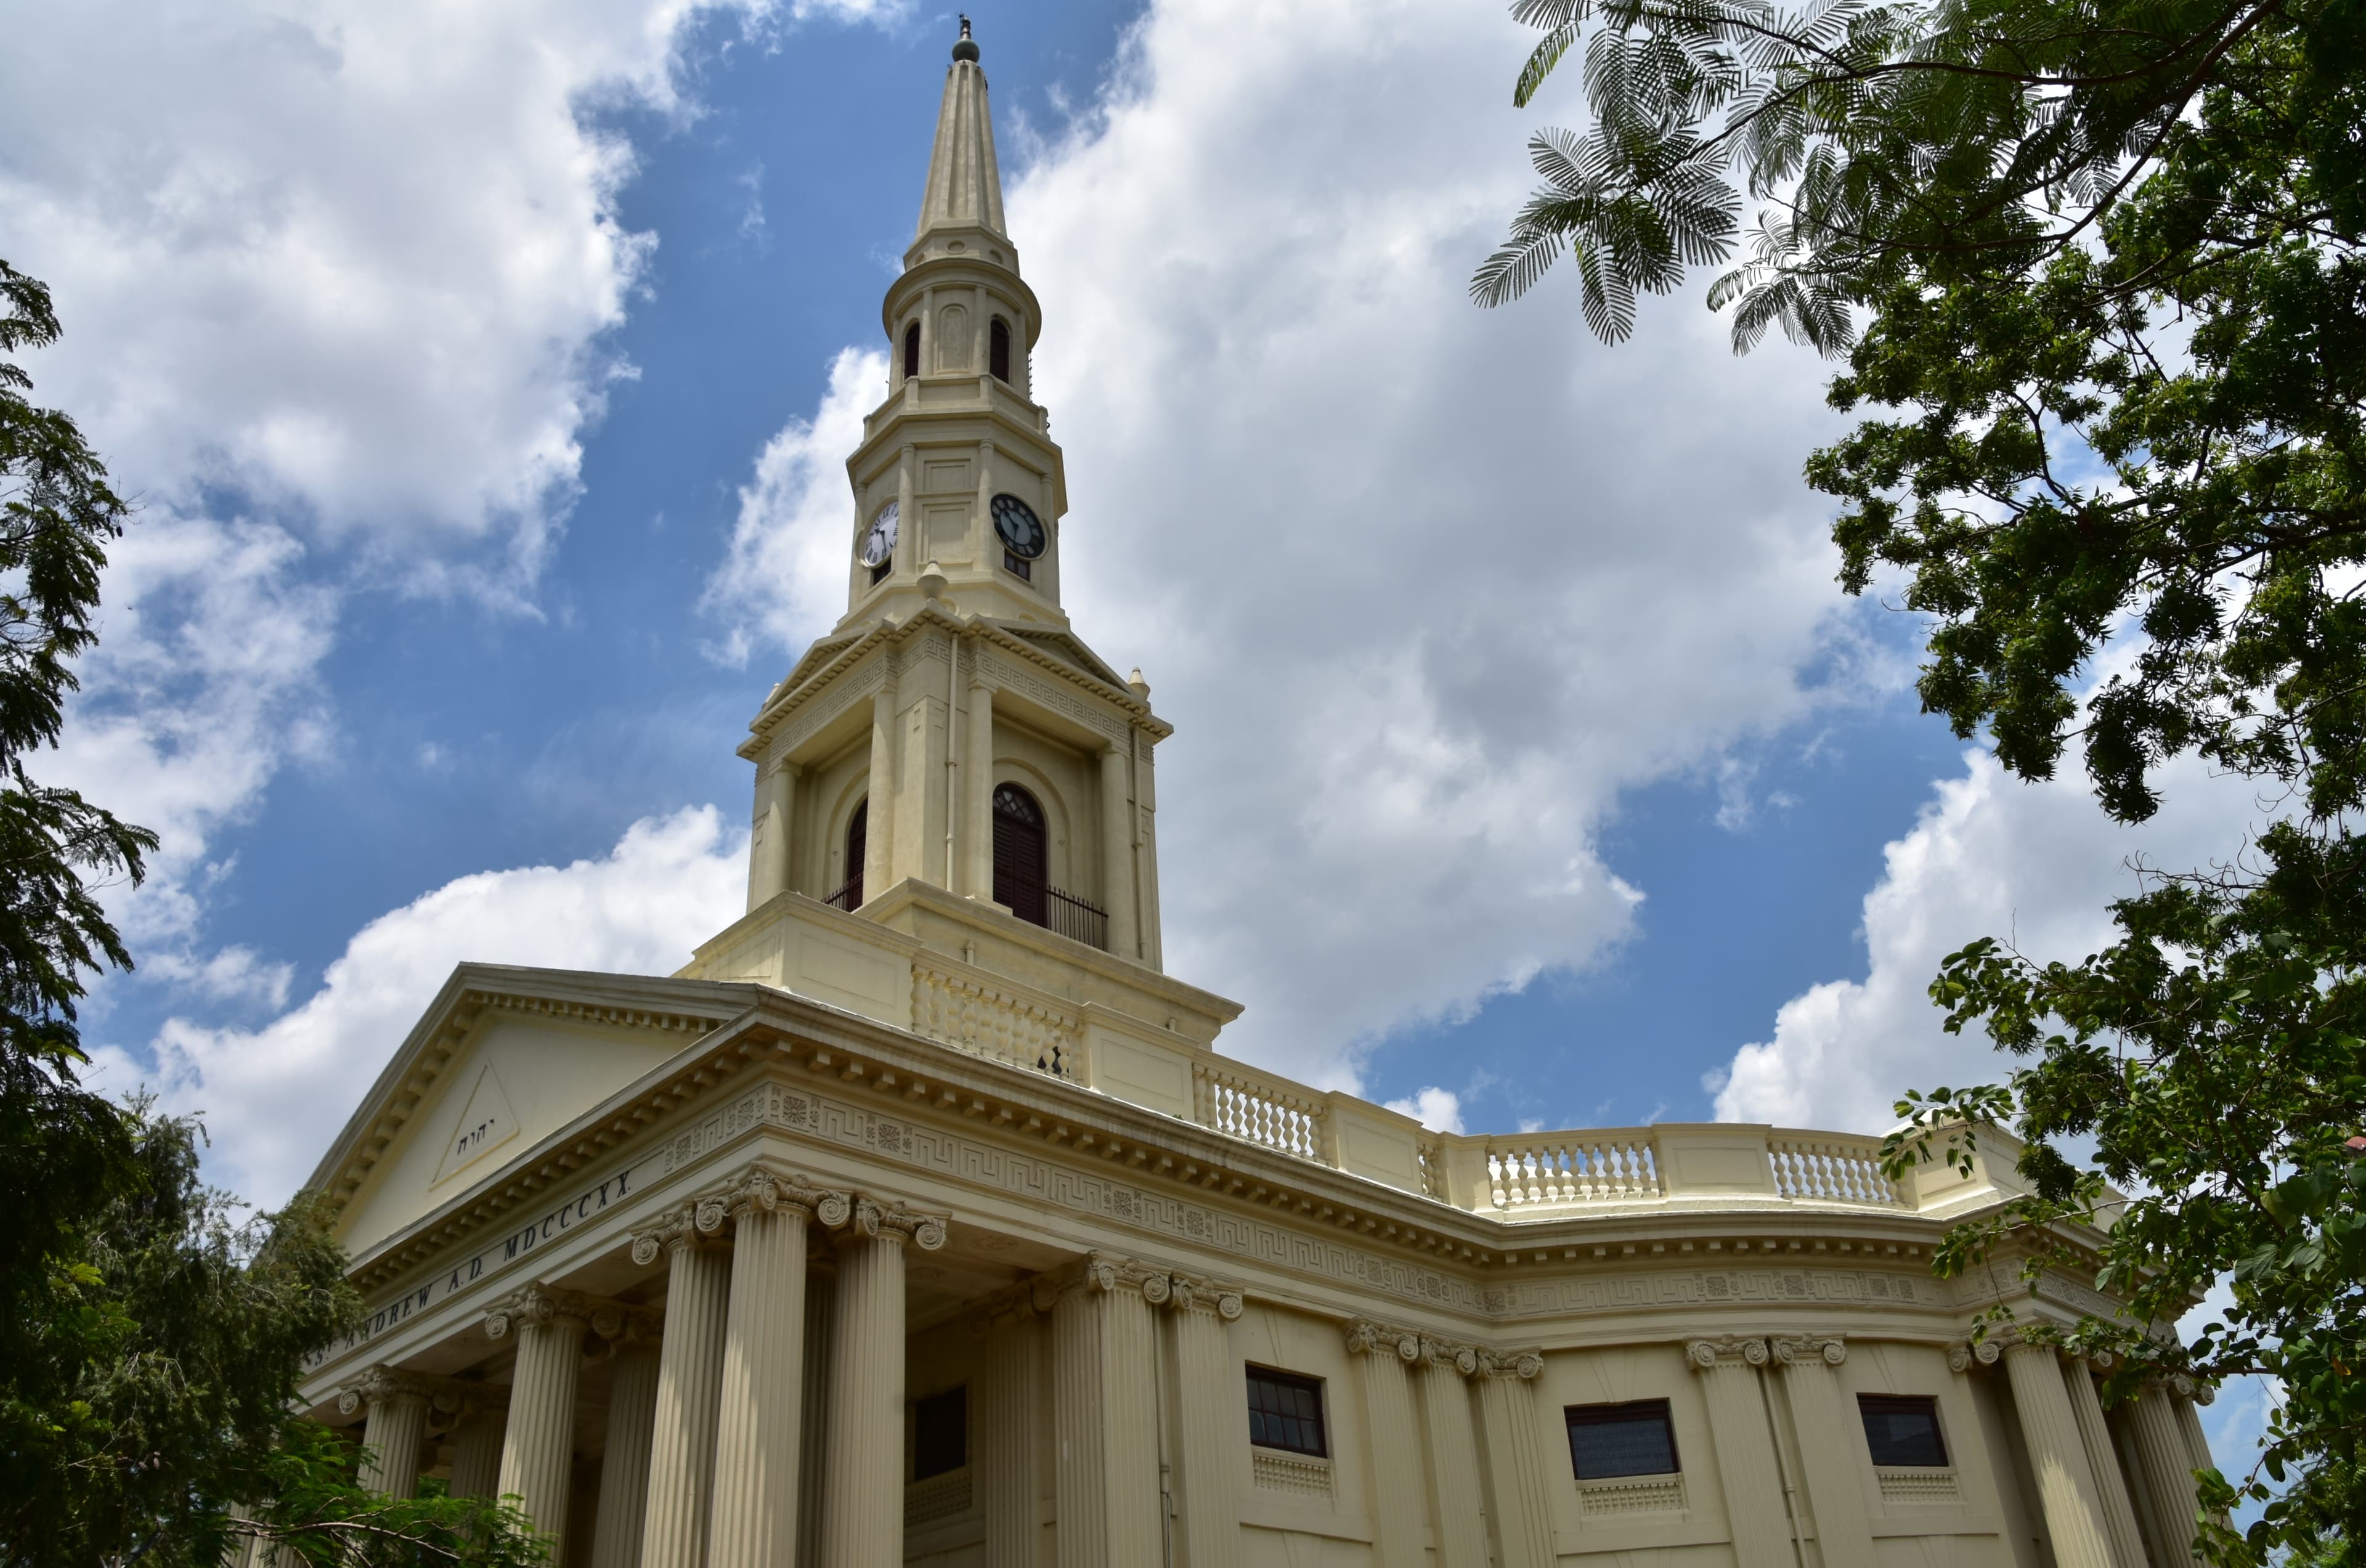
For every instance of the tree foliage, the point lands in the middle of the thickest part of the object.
(2095, 269)
(151, 1332)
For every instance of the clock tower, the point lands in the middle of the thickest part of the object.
(952, 762)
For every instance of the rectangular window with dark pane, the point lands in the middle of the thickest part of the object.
(940, 1433)
(1633, 1438)
(1285, 1411)
(1903, 1429)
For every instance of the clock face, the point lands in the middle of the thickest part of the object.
(1022, 531)
(879, 539)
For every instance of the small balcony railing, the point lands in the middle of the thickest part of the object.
(849, 897)
(1074, 917)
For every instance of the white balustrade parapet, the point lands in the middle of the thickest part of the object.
(1102, 1042)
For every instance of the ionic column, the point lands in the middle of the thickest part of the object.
(1516, 1472)
(754, 1519)
(1104, 1391)
(768, 842)
(813, 1442)
(1461, 1526)
(538, 1451)
(2103, 1464)
(2188, 1420)
(1209, 1408)
(1010, 1376)
(977, 790)
(2168, 1465)
(1738, 1428)
(1832, 1448)
(624, 1465)
(477, 1443)
(1117, 852)
(396, 1431)
(690, 1379)
(1384, 1359)
(863, 1498)
(2057, 1456)
(879, 830)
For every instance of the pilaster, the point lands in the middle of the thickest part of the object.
(1760, 1520)
(769, 833)
(754, 1516)
(1461, 1524)
(1384, 1359)
(690, 1379)
(879, 829)
(862, 1511)
(920, 795)
(1117, 851)
(1831, 1439)
(977, 787)
(538, 1451)
(1522, 1508)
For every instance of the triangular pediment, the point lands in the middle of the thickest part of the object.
(503, 1058)
(1065, 648)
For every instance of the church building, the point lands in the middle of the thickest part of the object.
(919, 1219)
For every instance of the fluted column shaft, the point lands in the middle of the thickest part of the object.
(1461, 1526)
(1105, 1392)
(1738, 1428)
(1210, 1407)
(2066, 1485)
(813, 1447)
(1523, 1508)
(754, 1523)
(395, 1436)
(862, 1508)
(2103, 1462)
(2168, 1465)
(538, 1451)
(1400, 1521)
(477, 1453)
(1832, 1448)
(690, 1379)
(625, 1466)
(1013, 1371)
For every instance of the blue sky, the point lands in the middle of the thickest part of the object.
(485, 378)
(1513, 660)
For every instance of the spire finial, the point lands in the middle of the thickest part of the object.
(966, 48)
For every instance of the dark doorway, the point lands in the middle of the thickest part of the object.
(1020, 869)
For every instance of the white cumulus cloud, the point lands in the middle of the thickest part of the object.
(1423, 588)
(276, 1093)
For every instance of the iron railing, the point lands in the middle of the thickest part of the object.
(849, 897)
(1073, 917)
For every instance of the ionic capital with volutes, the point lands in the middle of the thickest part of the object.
(677, 1227)
(1366, 1337)
(760, 1190)
(1193, 1293)
(1524, 1365)
(1807, 1349)
(1984, 1351)
(381, 1385)
(540, 1303)
(1727, 1351)
(886, 1220)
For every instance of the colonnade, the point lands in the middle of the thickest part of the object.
(2098, 1513)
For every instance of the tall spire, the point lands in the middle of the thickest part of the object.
(962, 205)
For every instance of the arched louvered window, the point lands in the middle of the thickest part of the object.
(912, 349)
(1020, 871)
(858, 849)
(998, 349)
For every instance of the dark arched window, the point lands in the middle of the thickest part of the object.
(858, 849)
(997, 350)
(912, 349)
(1020, 872)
